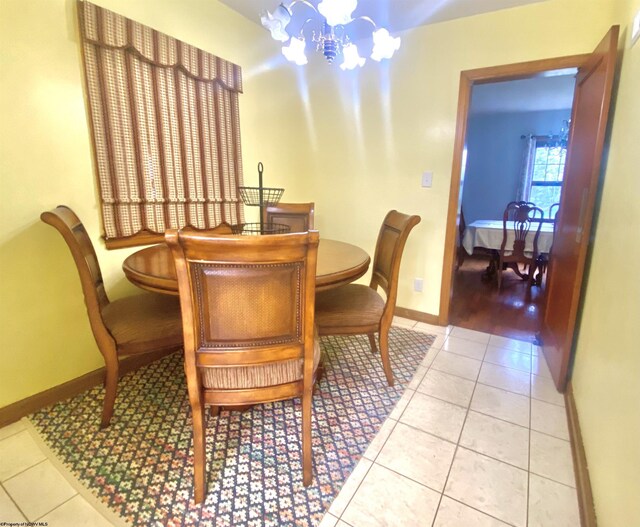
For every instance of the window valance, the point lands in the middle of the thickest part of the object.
(165, 123)
(105, 28)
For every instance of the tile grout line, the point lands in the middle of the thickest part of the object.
(373, 462)
(526, 521)
(484, 454)
(442, 494)
(502, 388)
(14, 433)
(518, 393)
(553, 480)
(455, 452)
(415, 390)
(28, 468)
(365, 474)
(482, 512)
(58, 506)
(457, 444)
(13, 501)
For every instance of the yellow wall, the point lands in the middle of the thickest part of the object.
(377, 129)
(45, 160)
(605, 378)
(354, 142)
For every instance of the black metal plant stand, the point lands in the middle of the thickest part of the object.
(262, 197)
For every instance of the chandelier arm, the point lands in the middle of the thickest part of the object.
(366, 19)
(304, 2)
(305, 23)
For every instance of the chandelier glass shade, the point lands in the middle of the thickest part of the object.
(332, 22)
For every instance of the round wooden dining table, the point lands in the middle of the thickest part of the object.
(338, 263)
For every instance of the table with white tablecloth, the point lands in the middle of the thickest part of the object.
(488, 235)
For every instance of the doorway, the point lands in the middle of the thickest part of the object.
(590, 112)
(515, 150)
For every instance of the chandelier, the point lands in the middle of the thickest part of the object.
(561, 138)
(332, 22)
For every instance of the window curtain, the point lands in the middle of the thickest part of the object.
(166, 131)
(526, 175)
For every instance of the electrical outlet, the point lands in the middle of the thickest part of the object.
(427, 179)
(417, 285)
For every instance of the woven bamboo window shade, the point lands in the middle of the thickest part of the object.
(166, 131)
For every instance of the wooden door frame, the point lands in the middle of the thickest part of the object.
(468, 79)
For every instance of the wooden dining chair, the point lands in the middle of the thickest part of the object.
(520, 219)
(462, 252)
(134, 325)
(545, 258)
(248, 322)
(356, 309)
(298, 216)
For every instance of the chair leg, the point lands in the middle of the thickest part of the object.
(111, 387)
(307, 467)
(214, 411)
(532, 271)
(499, 274)
(372, 341)
(320, 371)
(199, 448)
(384, 353)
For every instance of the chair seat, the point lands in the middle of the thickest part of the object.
(144, 322)
(247, 377)
(350, 306)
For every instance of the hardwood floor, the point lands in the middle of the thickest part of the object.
(514, 312)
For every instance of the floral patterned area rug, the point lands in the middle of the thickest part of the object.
(141, 467)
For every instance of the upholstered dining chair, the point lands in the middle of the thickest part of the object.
(248, 321)
(356, 309)
(134, 325)
(519, 220)
(298, 216)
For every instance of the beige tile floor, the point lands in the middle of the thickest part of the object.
(479, 438)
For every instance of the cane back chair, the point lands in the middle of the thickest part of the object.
(357, 309)
(298, 216)
(248, 322)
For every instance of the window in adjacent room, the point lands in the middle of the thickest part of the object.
(548, 169)
(543, 170)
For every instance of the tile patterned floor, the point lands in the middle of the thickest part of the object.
(479, 438)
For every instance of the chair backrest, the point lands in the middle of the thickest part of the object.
(298, 216)
(553, 211)
(245, 300)
(461, 227)
(389, 247)
(84, 255)
(220, 229)
(528, 203)
(520, 217)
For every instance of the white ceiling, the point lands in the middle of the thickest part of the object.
(527, 95)
(395, 15)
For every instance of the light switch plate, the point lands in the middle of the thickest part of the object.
(427, 179)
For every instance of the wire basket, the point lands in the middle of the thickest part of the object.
(255, 228)
(251, 195)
